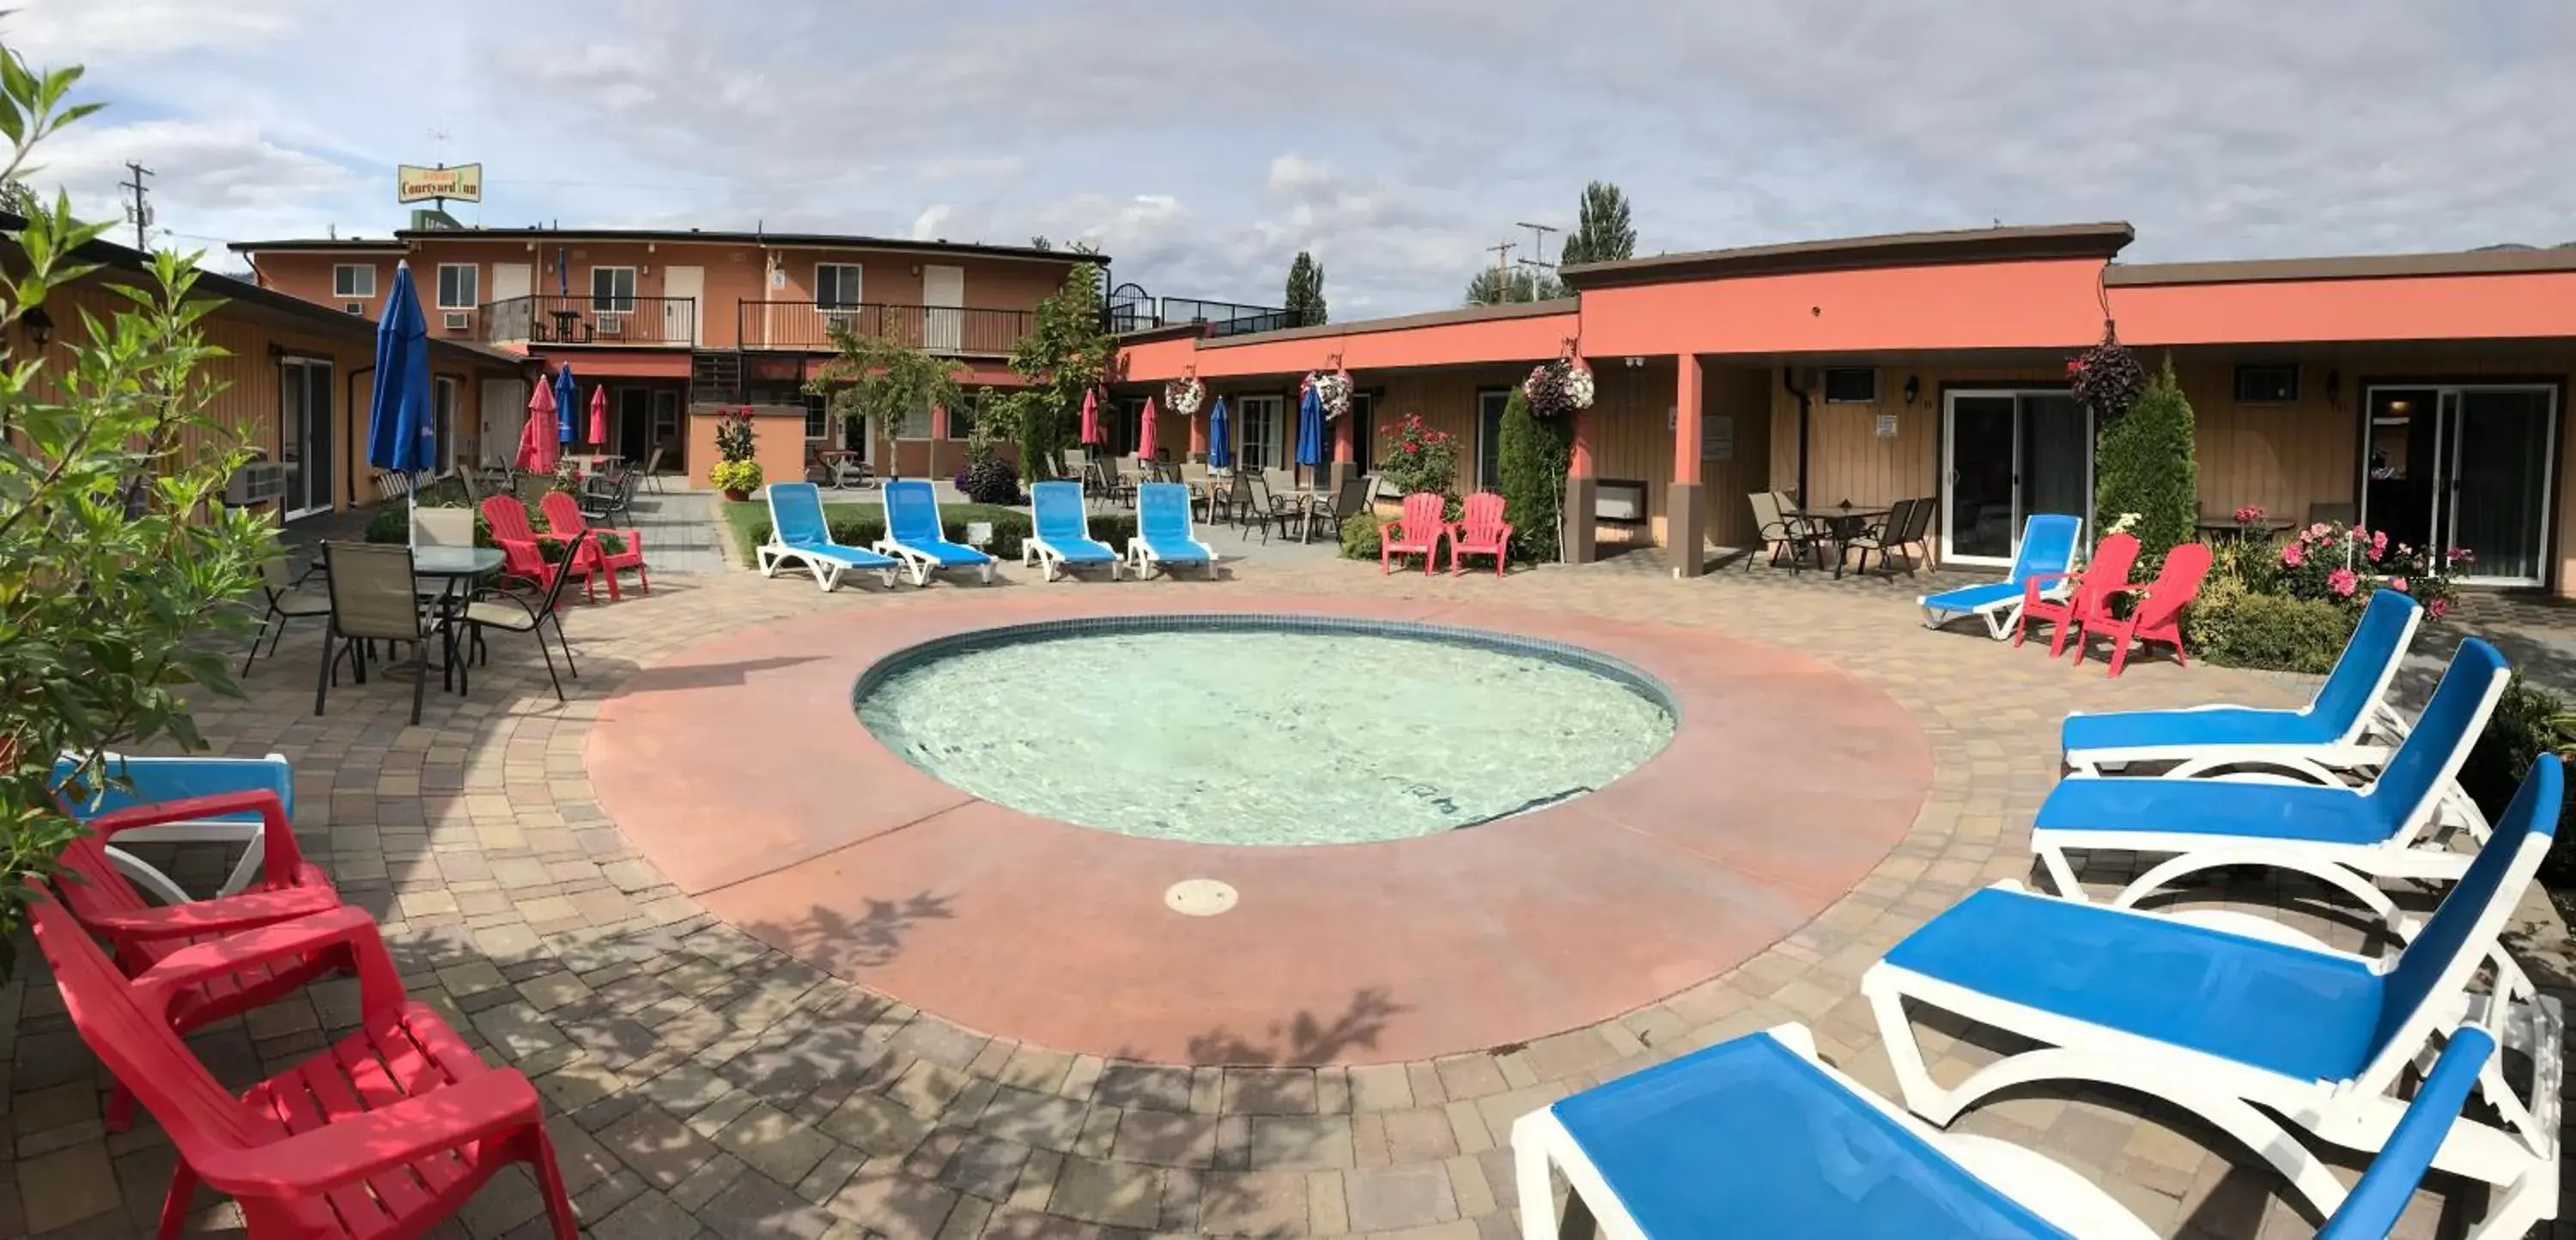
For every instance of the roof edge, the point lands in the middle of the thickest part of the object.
(1406, 322)
(2342, 267)
(1912, 249)
(405, 238)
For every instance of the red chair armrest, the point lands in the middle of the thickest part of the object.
(282, 857)
(222, 915)
(486, 1105)
(345, 928)
(2036, 578)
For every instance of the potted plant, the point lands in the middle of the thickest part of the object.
(737, 479)
(736, 474)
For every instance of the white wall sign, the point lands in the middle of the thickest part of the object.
(1887, 426)
(1716, 437)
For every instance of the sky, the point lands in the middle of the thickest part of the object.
(1202, 143)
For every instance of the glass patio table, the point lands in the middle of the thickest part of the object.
(1839, 524)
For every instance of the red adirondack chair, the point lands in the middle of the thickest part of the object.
(143, 934)
(2158, 615)
(1417, 532)
(2105, 575)
(564, 521)
(1482, 531)
(385, 1133)
(519, 555)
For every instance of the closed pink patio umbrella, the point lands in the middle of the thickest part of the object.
(537, 439)
(1145, 432)
(1091, 416)
(599, 417)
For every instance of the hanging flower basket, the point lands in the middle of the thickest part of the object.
(2107, 376)
(1558, 388)
(1184, 396)
(1334, 389)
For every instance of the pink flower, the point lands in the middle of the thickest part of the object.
(2441, 607)
(2292, 556)
(2342, 582)
(2398, 584)
(2320, 530)
(2249, 514)
(2462, 555)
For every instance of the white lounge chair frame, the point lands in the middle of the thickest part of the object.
(2423, 846)
(1037, 552)
(826, 566)
(1140, 554)
(920, 564)
(2519, 1156)
(2001, 614)
(252, 836)
(1540, 1144)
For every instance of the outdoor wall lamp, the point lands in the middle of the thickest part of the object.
(2334, 386)
(39, 326)
(1913, 388)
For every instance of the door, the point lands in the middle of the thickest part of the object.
(2465, 466)
(682, 320)
(443, 394)
(512, 309)
(505, 417)
(943, 314)
(666, 428)
(1363, 417)
(304, 433)
(2008, 454)
(1257, 421)
(634, 425)
(1489, 437)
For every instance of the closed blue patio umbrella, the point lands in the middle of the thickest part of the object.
(567, 393)
(1220, 453)
(1310, 432)
(400, 432)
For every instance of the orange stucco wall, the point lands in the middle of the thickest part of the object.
(1965, 306)
(2502, 305)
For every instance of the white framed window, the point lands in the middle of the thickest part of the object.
(818, 417)
(1258, 419)
(353, 280)
(915, 424)
(836, 286)
(460, 286)
(612, 289)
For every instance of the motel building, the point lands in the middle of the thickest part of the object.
(2419, 394)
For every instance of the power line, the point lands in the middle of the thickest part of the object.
(138, 212)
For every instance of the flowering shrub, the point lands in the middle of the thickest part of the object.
(2249, 514)
(1184, 396)
(1417, 456)
(734, 437)
(2339, 563)
(1558, 388)
(2106, 376)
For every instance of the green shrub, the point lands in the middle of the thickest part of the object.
(2234, 627)
(2527, 723)
(742, 476)
(1360, 535)
(1532, 457)
(2144, 464)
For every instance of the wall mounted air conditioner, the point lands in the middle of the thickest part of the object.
(611, 325)
(459, 320)
(257, 482)
(358, 308)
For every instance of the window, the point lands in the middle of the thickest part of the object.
(612, 289)
(1489, 437)
(459, 286)
(915, 423)
(1851, 385)
(962, 415)
(836, 286)
(353, 280)
(2267, 385)
(1256, 431)
(818, 417)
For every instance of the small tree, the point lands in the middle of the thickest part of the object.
(1065, 354)
(1494, 286)
(1601, 230)
(120, 572)
(2145, 464)
(879, 380)
(1305, 298)
(1531, 457)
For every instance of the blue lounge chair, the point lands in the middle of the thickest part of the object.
(2048, 544)
(798, 533)
(1758, 1137)
(152, 780)
(914, 537)
(1060, 536)
(2397, 826)
(2349, 725)
(2239, 1019)
(1163, 534)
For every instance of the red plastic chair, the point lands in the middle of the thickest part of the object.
(1482, 531)
(1417, 532)
(386, 1133)
(2158, 615)
(519, 555)
(564, 521)
(143, 934)
(2105, 575)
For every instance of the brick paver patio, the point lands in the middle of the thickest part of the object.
(704, 1084)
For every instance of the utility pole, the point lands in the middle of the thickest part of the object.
(1539, 267)
(138, 212)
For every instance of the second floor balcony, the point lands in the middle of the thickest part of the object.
(630, 322)
(973, 331)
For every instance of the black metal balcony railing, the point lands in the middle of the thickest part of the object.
(552, 319)
(1224, 318)
(940, 329)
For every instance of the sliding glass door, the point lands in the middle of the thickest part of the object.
(2465, 466)
(304, 433)
(2005, 455)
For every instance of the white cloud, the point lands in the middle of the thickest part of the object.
(925, 227)
(106, 31)
(211, 178)
(1292, 174)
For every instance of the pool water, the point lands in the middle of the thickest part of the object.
(1265, 736)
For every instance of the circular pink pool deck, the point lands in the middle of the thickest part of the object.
(740, 769)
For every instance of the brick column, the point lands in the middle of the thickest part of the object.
(1579, 494)
(1686, 503)
(1198, 435)
(1344, 456)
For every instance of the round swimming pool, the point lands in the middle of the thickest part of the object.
(1264, 729)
